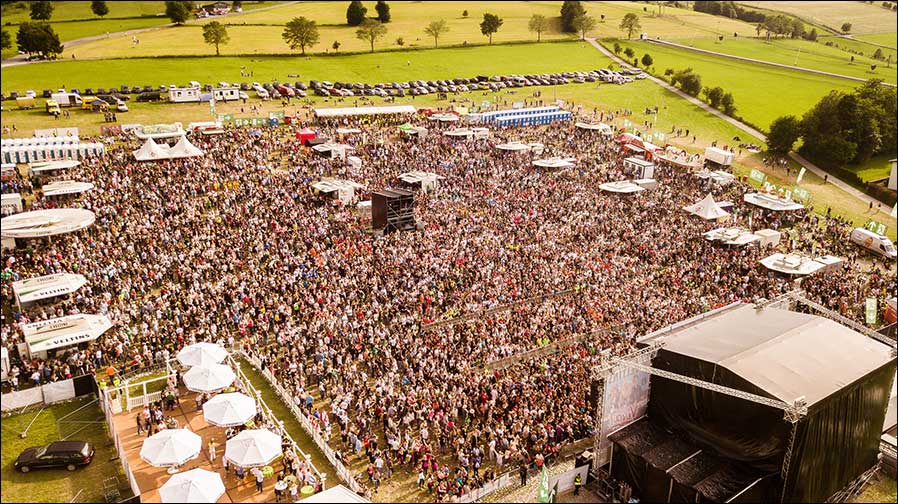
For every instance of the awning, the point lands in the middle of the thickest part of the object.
(40, 223)
(357, 111)
(66, 187)
(47, 286)
(64, 331)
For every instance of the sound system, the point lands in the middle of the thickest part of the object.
(393, 210)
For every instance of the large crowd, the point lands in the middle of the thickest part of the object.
(235, 248)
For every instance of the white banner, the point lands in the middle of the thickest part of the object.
(20, 399)
(59, 391)
(800, 175)
(565, 480)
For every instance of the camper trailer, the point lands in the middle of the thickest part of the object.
(182, 95)
(226, 93)
(719, 157)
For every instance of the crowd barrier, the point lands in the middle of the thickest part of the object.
(341, 470)
(49, 393)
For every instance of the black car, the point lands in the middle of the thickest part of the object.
(148, 96)
(68, 454)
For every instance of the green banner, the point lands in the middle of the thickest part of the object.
(250, 121)
(801, 194)
(758, 176)
(279, 115)
(659, 136)
(543, 494)
(871, 310)
(225, 118)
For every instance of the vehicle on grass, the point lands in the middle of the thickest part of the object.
(876, 243)
(53, 107)
(149, 96)
(126, 89)
(68, 454)
(226, 93)
(30, 94)
(25, 102)
(94, 104)
(67, 99)
(47, 93)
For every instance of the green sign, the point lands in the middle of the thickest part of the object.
(543, 494)
(627, 123)
(871, 310)
(659, 136)
(877, 227)
(485, 104)
(225, 118)
(279, 115)
(801, 193)
(758, 176)
(250, 121)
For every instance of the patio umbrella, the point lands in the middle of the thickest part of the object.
(253, 448)
(202, 354)
(210, 378)
(171, 447)
(229, 410)
(195, 485)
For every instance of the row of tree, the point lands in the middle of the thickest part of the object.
(842, 128)
(43, 11)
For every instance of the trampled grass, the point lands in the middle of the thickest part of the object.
(58, 485)
(762, 93)
(801, 53)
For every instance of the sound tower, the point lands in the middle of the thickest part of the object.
(393, 210)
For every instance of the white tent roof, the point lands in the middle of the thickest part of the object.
(414, 177)
(151, 151)
(332, 185)
(356, 111)
(732, 236)
(443, 117)
(514, 146)
(771, 202)
(601, 127)
(66, 187)
(184, 149)
(336, 494)
(327, 147)
(707, 209)
(459, 132)
(798, 264)
(346, 131)
(555, 162)
(621, 186)
(47, 286)
(52, 166)
(64, 331)
(40, 223)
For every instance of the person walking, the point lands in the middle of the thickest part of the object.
(578, 482)
(260, 478)
(523, 472)
(212, 451)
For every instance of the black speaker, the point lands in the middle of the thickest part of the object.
(393, 210)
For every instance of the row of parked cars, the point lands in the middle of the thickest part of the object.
(412, 87)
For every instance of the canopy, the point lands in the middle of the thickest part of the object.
(65, 187)
(143, 131)
(229, 410)
(443, 117)
(459, 132)
(718, 176)
(171, 447)
(355, 111)
(305, 134)
(40, 223)
(52, 166)
(418, 177)
(346, 131)
(202, 354)
(621, 186)
(798, 264)
(47, 286)
(151, 151)
(193, 486)
(209, 379)
(253, 448)
(64, 331)
(601, 127)
(732, 236)
(555, 163)
(335, 494)
(514, 146)
(772, 202)
(707, 209)
(184, 149)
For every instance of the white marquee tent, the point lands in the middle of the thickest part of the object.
(707, 209)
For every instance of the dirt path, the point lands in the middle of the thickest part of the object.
(884, 209)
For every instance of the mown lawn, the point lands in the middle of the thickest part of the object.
(876, 168)
(801, 53)
(58, 485)
(888, 39)
(864, 17)
(762, 93)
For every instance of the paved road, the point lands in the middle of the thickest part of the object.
(761, 62)
(21, 59)
(748, 129)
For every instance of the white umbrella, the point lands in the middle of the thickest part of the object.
(228, 410)
(253, 448)
(195, 485)
(171, 447)
(209, 379)
(202, 354)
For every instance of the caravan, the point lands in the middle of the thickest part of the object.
(226, 93)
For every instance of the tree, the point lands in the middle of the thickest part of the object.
(796, 28)
(629, 52)
(215, 33)
(490, 25)
(538, 23)
(178, 12)
(41, 10)
(99, 8)
(714, 96)
(301, 32)
(584, 23)
(602, 17)
(5, 40)
(435, 29)
(647, 60)
(811, 35)
(236, 4)
(617, 48)
(846, 27)
(335, 46)
(784, 132)
(569, 11)
(877, 54)
(383, 11)
(400, 41)
(36, 37)
(630, 24)
(355, 13)
(688, 81)
(371, 30)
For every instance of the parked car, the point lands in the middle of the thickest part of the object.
(149, 96)
(68, 454)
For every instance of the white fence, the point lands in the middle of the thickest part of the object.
(341, 470)
(140, 401)
(50, 393)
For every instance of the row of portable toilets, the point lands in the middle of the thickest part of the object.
(50, 152)
(60, 140)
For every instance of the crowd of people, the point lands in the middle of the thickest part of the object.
(235, 248)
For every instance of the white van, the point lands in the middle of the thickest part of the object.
(873, 242)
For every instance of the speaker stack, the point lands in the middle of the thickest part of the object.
(393, 210)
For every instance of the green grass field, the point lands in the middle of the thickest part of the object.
(78, 10)
(881, 489)
(799, 53)
(876, 168)
(58, 485)
(887, 39)
(858, 46)
(762, 93)
(865, 18)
